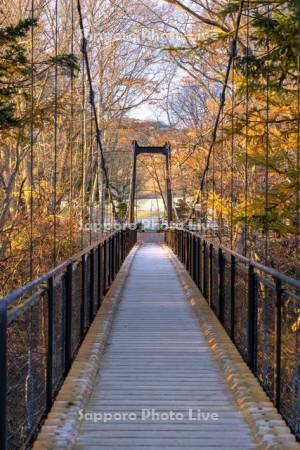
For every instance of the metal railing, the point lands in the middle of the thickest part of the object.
(42, 326)
(260, 310)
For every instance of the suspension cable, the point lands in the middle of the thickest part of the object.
(247, 129)
(221, 178)
(91, 179)
(206, 205)
(71, 129)
(232, 55)
(55, 135)
(83, 146)
(31, 143)
(213, 188)
(99, 199)
(94, 109)
(297, 228)
(267, 149)
(232, 153)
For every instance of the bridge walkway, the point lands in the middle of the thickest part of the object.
(159, 367)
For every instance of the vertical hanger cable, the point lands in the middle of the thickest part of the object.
(71, 130)
(31, 144)
(83, 153)
(297, 227)
(91, 179)
(246, 231)
(232, 153)
(267, 147)
(221, 177)
(55, 137)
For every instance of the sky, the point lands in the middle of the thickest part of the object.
(143, 112)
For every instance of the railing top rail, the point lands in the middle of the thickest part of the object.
(268, 270)
(15, 295)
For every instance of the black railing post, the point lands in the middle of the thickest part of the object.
(278, 343)
(252, 318)
(122, 246)
(197, 261)
(3, 375)
(117, 254)
(92, 281)
(221, 286)
(83, 296)
(187, 253)
(200, 265)
(68, 318)
(194, 258)
(180, 244)
(104, 267)
(126, 236)
(232, 297)
(113, 256)
(119, 250)
(191, 255)
(185, 249)
(109, 255)
(113, 259)
(49, 381)
(210, 283)
(108, 262)
(205, 268)
(99, 276)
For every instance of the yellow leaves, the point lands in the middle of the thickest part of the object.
(296, 324)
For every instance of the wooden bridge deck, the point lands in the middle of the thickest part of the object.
(157, 358)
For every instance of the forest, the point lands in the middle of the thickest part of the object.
(218, 79)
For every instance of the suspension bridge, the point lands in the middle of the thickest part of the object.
(166, 340)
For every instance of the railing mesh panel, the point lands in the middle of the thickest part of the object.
(227, 294)
(27, 362)
(290, 360)
(59, 332)
(266, 334)
(215, 282)
(241, 310)
(76, 305)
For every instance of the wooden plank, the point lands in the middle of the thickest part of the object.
(157, 358)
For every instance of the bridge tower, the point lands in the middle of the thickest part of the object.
(165, 151)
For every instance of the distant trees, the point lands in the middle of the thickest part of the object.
(253, 183)
(171, 55)
(50, 164)
(19, 131)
